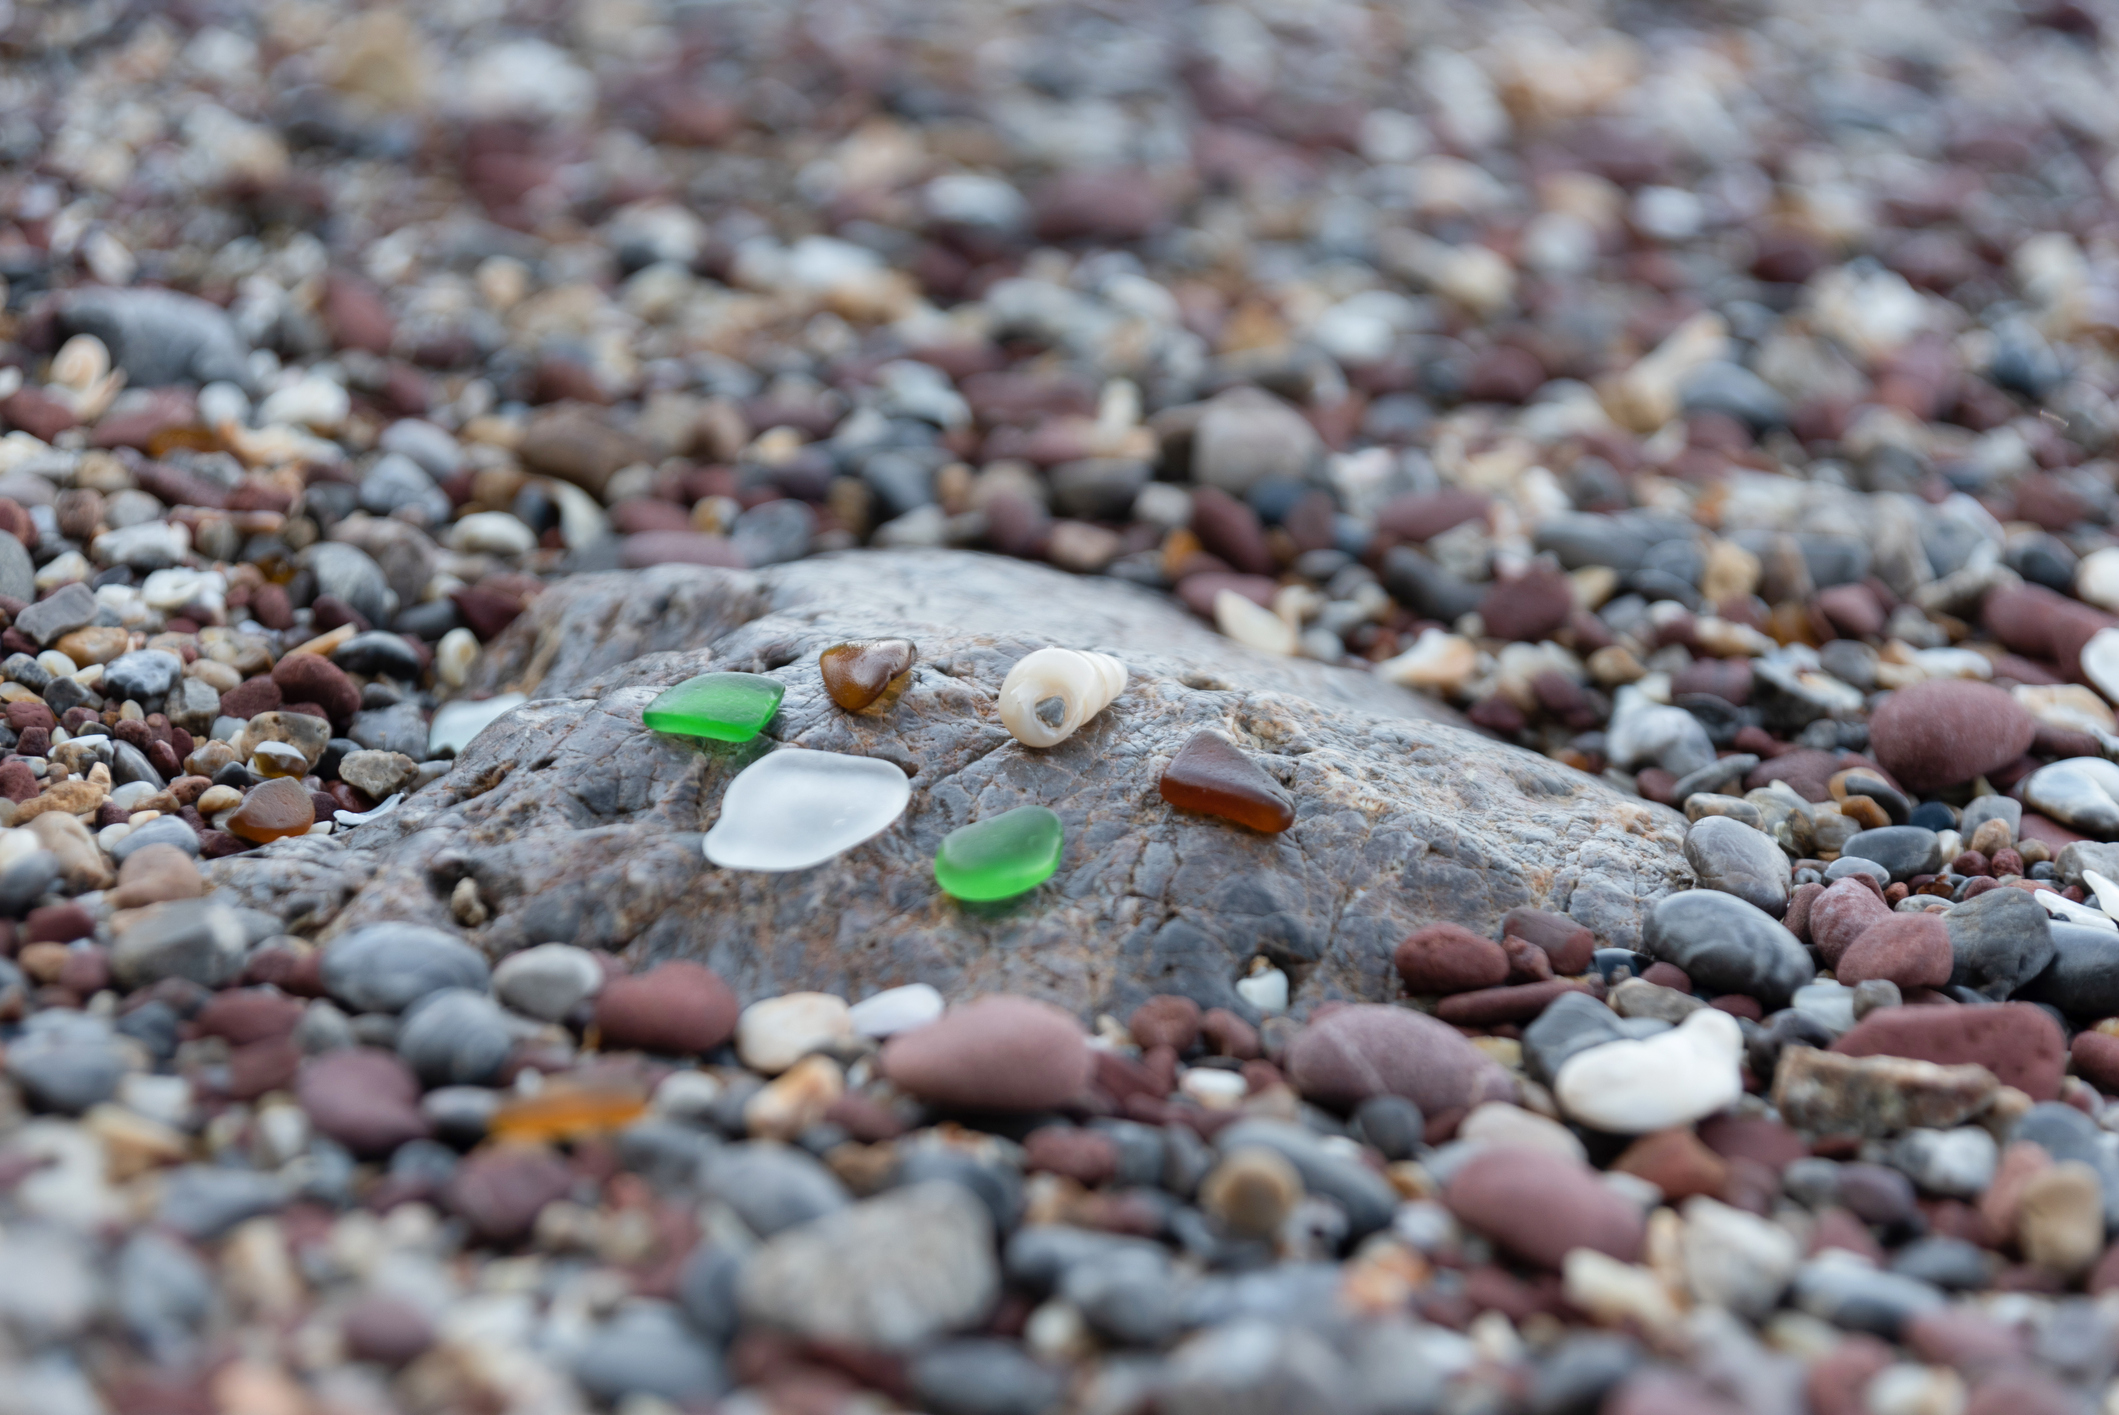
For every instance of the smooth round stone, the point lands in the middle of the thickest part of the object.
(1540, 1206)
(387, 967)
(1910, 950)
(1855, 865)
(996, 1053)
(1002, 857)
(1733, 858)
(796, 808)
(2082, 792)
(895, 1010)
(1727, 945)
(1948, 730)
(548, 981)
(2083, 980)
(1999, 941)
(455, 724)
(726, 707)
(776, 1032)
(1368, 1050)
(1904, 850)
(454, 1037)
(1934, 815)
(1674, 1078)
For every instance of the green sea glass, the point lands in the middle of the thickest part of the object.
(728, 707)
(1001, 857)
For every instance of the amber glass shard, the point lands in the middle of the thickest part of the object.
(273, 809)
(1211, 776)
(860, 673)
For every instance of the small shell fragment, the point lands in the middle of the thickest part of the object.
(1083, 682)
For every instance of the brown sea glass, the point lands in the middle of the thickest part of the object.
(1210, 775)
(565, 1111)
(867, 673)
(273, 809)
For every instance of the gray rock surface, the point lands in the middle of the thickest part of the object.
(579, 826)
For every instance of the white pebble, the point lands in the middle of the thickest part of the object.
(777, 1032)
(454, 655)
(1266, 990)
(491, 533)
(895, 1010)
(1252, 626)
(1672, 1078)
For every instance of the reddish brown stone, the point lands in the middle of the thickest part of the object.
(1946, 731)
(1911, 950)
(996, 1053)
(1230, 529)
(500, 1190)
(1676, 1162)
(1537, 1206)
(254, 695)
(1226, 1034)
(1529, 607)
(365, 1099)
(1449, 958)
(1166, 1020)
(1085, 1156)
(678, 1007)
(1842, 913)
(310, 678)
(2017, 1041)
(1423, 515)
(1363, 1050)
(1491, 1006)
(246, 1015)
(1566, 942)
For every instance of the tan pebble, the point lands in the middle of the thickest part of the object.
(132, 1143)
(464, 903)
(1991, 836)
(42, 961)
(71, 797)
(216, 675)
(94, 644)
(1865, 812)
(156, 874)
(278, 759)
(796, 1100)
(1731, 572)
(2034, 852)
(215, 799)
(1252, 1192)
(1614, 665)
(209, 757)
(323, 644)
(2060, 1219)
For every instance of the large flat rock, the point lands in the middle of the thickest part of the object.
(578, 824)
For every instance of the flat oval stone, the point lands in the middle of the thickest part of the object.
(1211, 776)
(2082, 792)
(996, 1053)
(1911, 950)
(1733, 858)
(1948, 730)
(2002, 939)
(2083, 980)
(1539, 1206)
(860, 673)
(796, 808)
(276, 809)
(2017, 1041)
(1904, 850)
(1727, 945)
(1671, 1079)
(725, 707)
(1366, 1050)
(1002, 857)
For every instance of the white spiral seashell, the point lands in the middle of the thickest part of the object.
(1085, 682)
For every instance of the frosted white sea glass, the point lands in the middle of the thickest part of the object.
(795, 808)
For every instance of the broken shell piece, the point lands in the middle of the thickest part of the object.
(2072, 912)
(352, 818)
(1083, 684)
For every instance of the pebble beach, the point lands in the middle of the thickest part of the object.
(1698, 420)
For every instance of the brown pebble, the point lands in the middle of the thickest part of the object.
(1910, 950)
(995, 1053)
(680, 1008)
(1566, 942)
(1449, 958)
(1675, 1162)
(1537, 1206)
(1166, 1019)
(1226, 1034)
(1252, 1191)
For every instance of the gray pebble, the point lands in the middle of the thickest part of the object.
(386, 967)
(454, 1037)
